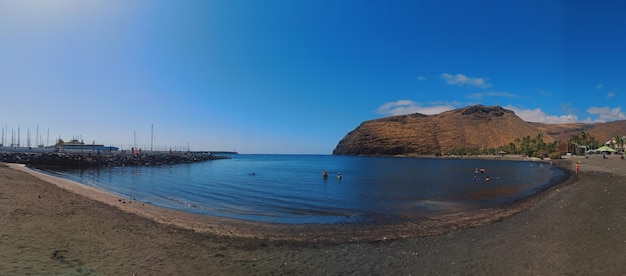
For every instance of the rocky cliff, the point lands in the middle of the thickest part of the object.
(417, 134)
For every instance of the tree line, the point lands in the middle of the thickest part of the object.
(537, 147)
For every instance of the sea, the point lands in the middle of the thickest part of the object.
(290, 189)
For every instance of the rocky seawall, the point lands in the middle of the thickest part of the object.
(82, 160)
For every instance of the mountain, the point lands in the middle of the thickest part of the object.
(602, 132)
(474, 126)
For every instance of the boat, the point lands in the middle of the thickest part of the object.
(74, 144)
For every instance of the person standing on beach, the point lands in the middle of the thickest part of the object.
(577, 167)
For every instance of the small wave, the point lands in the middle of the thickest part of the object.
(430, 206)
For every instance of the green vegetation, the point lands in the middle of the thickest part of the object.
(533, 147)
(536, 147)
(580, 143)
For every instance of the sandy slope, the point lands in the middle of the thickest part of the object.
(576, 228)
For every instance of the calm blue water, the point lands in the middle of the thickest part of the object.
(290, 188)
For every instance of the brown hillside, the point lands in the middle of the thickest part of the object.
(601, 131)
(475, 126)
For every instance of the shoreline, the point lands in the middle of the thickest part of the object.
(577, 227)
(412, 227)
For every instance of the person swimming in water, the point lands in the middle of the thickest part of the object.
(324, 175)
(339, 176)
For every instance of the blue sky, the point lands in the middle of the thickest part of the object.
(296, 76)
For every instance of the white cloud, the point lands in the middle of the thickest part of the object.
(599, 86)
(537, 115)
(403, 107)
(421, 78)
(463, 80)
(598, 114)
(481, 95)
(610, 94)
(607, 114)
(545, 94)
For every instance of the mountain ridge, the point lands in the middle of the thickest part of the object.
(474, 126)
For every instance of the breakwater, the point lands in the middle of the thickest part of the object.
(85, 160)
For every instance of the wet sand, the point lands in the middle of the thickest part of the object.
(53, 226)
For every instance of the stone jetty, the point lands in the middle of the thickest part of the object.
(85, 160)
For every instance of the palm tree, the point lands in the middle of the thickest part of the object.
(582, 140)
(539, 142)
(512, 148)
(583, 137)
(571, 141)
(552, 147)
(619, 142)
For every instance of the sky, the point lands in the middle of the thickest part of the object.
(294, 77)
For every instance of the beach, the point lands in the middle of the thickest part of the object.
(55, 226)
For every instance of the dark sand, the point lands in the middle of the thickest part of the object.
(578, 227)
